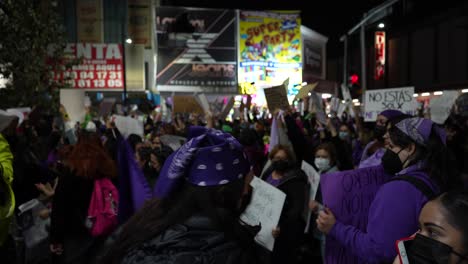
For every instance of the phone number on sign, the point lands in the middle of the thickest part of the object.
(96, 83)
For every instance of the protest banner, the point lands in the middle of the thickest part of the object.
(276, 98)
(349, 195)
(314, 180)
(440, 107)
(186, 104)
(265, 209)
(377, 101)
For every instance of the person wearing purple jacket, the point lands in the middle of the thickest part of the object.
(416, 150)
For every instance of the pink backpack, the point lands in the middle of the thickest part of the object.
(102, 212)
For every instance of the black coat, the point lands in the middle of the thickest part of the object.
(293, 217)
(196, 241)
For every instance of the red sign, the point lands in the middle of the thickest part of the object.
(379, 54)
(101, 67)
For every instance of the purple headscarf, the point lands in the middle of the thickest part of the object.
(210, 159)
(390, 113)
(419, 130)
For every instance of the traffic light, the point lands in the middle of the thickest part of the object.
(354, 84)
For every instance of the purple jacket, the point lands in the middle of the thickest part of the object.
(393, 214)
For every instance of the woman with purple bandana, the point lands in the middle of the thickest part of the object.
(421, 163)
(201, 192)
(375, 150)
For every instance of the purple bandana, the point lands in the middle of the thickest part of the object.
(210, 159)
(419, 130)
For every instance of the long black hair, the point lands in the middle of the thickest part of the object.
(456, 205)
(219, 203)
(439, 161)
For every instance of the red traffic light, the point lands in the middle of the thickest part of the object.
(354, 78)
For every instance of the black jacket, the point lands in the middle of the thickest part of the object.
(197, 241)
(292, 221)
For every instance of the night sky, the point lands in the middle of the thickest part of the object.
(329, 18)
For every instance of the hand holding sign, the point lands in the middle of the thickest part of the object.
(326, 220)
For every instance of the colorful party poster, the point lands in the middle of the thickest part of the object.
(270, 49)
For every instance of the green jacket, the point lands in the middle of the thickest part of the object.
(6, 212)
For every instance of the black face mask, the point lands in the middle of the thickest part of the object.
(391, 162)
(280, 165)
(379, 132)
(427, 250)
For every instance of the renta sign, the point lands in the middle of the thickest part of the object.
(94, 51)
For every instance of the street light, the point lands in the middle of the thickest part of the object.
(128, 40)
(381, 25)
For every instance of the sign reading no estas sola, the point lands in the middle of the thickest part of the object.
(377, 101)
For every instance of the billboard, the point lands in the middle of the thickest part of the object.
(379, 54)
(101, 66)
(270, 49)
(196, 47)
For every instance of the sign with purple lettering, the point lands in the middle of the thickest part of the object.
(349, 195)
(377, 101)
(196, 47)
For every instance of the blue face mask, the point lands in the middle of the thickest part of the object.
(343, 135)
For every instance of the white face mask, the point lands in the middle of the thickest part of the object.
(322, 164)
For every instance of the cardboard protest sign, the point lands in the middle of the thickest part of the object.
(276, 98)
(305, 90)
(440, 107)
(314, 180)
(349, 195)
(377, 101)
(186, 104)
(265, 209)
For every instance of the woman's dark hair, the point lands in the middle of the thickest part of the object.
(247, 137)
(456, 205)
(219, 203)
(133, 140)
(145, 153)
(284, 148)
(330, 149)
(437, 157)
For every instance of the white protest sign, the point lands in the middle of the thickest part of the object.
(341, 109)
(314, 181)
(74, 102)
(204, 102)
(128, 125)
(346, 93)
(265, 209)
(441, 106)
(377, 101)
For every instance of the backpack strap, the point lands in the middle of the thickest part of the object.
(418, 183)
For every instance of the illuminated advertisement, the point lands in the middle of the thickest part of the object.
(270, 49)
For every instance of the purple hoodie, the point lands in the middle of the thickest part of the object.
(393, 214)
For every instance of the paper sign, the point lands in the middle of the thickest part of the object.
(314, 180)
(186, 104)
(346, 93)
(203, 101)
(335, 104)
(441, 106)
(276, 98)
(265, 209)
(400, 99)
(74, 102)
(128, 126)
(305, 90)
(174, 142)
(341, 109)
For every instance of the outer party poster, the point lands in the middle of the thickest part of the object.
(270, 49)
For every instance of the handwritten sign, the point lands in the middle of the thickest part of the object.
(186, 104)
(441, 106)
(377, 101)
(314, 180)
(276, 98)
(349, 195)
(265, 209)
